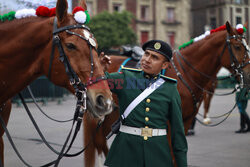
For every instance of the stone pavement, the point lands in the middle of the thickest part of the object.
(210, 147)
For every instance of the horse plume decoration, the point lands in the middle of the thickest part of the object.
(35, 43)
(194, 65)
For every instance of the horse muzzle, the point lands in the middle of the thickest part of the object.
(99, 106)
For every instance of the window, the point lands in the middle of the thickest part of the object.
(238, 10)
(212, 11)
(238, 1)
(117, 7)
(246, 2)
(246, 19)
(90, 8)
(246, 14)
(213, 22)
(144, 37)
(170, 15)
(221, 21)
(171, 39)
(144, 12)
(231, 14)
(238, 20)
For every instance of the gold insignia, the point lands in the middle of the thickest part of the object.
(157, 46)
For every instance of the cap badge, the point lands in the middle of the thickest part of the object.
(157, 45)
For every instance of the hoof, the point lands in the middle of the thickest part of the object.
(207, 121)
(190, 132)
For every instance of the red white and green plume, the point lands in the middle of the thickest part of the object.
(80, 15)
(239, 27)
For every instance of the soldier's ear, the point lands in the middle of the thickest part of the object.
(165, 65)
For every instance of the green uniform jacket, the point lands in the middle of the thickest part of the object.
(242, 98)
(154, 111)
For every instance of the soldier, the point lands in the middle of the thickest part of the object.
(147, 100)
(242, 100)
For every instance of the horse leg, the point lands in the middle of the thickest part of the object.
(109, 120)
(207, 101)
(100, 138)
(5, 114)
(187, 124)
(89, 130)
(170, 143)
(205, 105)
(99, 142)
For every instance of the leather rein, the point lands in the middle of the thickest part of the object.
(80, 92)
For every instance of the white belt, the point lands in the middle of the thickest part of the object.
(149, 132)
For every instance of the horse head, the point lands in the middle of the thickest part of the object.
(238, 51)
(77, 53)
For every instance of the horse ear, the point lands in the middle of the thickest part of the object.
(61, 10)
(229, 28)
(83, 4)
(245, 25)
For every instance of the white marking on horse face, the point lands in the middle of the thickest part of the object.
(246, 46)
(109, 103)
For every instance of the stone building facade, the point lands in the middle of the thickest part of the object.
(168, 20)
(209, 14)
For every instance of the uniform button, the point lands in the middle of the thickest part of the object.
(146, 126)
(145, 137)
(146, 119)
(147, 109)
(148, 100)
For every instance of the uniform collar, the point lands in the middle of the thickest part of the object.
(150, 77)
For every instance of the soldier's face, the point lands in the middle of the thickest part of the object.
(153, 62)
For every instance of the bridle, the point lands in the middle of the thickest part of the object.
(79, 87)
(236, 66)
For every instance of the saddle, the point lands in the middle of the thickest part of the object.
(134, 53)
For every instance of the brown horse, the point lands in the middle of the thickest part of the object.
(206, 56)
(25, 54)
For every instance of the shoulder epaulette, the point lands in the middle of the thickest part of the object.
(130, 69)
(168, 78)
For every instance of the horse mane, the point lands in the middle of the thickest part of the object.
(203, 42)
(17, 22)
(206, 34)
(80, 15)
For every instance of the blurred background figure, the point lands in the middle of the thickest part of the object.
(242, 100)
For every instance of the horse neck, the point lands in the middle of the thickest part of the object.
(205, 57)
(22, 47)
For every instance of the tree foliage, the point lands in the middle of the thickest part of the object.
(112, 29)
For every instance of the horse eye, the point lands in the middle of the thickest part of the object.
(237, 47)
(70, 46)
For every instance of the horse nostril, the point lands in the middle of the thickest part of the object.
(100, 101)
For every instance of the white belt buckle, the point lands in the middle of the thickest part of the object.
(147, 132)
